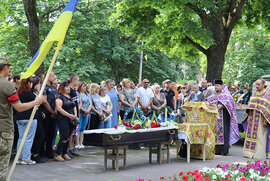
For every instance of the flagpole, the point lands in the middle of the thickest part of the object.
(141, 64)
(33, 114)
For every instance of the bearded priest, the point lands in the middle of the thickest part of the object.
(256, 123)
(227, 132)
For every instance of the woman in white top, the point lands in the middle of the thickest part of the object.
(106, 108)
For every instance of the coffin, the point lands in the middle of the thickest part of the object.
(117, 137)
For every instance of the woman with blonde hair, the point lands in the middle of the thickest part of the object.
(127, 97)
(96, 110)
(107, 108)
(159, 100)
(84, 111)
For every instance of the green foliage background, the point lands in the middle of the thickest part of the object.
(92, 48)
(95, 50)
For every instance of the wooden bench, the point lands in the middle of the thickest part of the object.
(115, 156)
(160, 149)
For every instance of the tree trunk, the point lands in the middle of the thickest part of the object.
(32, 18)
(215, 63)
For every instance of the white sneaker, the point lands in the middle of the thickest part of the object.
(28, 162)
(82, 146)
(78, 146)
(19, 161)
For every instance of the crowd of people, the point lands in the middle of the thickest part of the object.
(70, 107)
(73, 106)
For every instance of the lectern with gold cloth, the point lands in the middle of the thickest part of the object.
(200, 128)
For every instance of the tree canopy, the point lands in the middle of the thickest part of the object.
(103, 40)
(92, 48)
(248, 56)
(185, 27)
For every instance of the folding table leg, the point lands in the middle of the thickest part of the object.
(159, 153)
(188, 152)
(113, 161)
(150, 153)
(168, 153)
(204, 152)
(117, 159)
(177, 148)
(125, 158)
(105, 159)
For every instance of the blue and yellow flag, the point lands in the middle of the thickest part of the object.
(57, 33)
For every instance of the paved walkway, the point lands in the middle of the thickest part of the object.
(89, 167)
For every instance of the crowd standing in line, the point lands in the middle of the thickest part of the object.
(72, 106)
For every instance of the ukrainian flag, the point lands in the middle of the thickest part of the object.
(57, 33)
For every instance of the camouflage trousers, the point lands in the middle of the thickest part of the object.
(6, 142)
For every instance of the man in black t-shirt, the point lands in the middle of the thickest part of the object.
(49, 120)
(169, 93)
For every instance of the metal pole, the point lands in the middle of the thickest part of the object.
(141, 64)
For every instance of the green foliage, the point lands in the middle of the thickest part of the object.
(248, 55)
(257, 13)
(164, 25)
(92, 48)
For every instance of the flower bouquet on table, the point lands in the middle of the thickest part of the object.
(139, 121)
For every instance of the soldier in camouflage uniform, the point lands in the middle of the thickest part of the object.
(8, 97)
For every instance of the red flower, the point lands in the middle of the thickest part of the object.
(243, 179)
(227, 175)
(207, 179)
(181, 173)
(196, 172)
(115, 126)
(153, 125)
(185, 178)
(198, 178)
(162, 178)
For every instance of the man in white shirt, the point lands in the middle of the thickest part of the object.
(145, 96)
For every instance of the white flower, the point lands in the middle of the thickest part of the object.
(251, 171)
(214, 177)
(205, 169)
(236, 172)
(219, 170)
